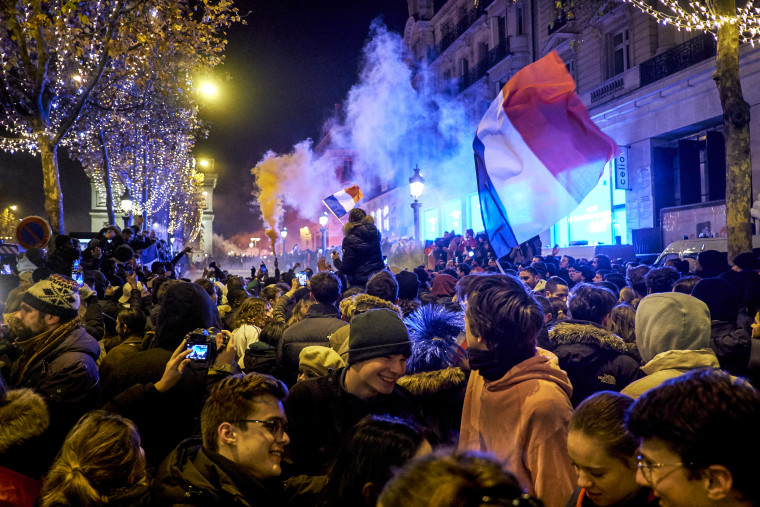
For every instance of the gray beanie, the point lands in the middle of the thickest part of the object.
(671, 321)
(376, 333)
(55, 295)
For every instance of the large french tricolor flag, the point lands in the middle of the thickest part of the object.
(343, 201)
(537, 154)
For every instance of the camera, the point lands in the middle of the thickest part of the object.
(202, 344)
(302, 277)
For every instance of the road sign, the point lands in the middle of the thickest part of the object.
(33, 232)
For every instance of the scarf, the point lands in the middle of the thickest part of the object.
(39, 346)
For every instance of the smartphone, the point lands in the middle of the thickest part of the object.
(212, 279)
(199, 351)
(385, 260)
(302, 277)
(79, 278)
(6, 269)
(76, 265)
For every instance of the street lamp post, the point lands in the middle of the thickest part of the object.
(283, 234)
(255, 245)
(126, 206)
(416, 185)
(323, 218)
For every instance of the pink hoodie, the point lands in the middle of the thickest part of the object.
(522, 419)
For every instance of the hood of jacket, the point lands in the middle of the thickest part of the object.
(568, 332)
(682, 360)
(430, 382)
(23, 416)
(184, 308)
(671, 321)
(543, 366)
(364, 228)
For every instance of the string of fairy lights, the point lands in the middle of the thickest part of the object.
(703, 16)
(134, 63)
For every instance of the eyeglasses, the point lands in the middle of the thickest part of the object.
(646, 467)
(276, 427)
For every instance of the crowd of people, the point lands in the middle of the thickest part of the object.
(527, 381)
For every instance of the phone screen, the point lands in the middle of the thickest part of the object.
(79, 278)
(199, 351)
(302, 278)
(6, 269)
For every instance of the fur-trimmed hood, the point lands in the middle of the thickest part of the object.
(23, 416)
(366, 221)
(571, 332)
(430, 382)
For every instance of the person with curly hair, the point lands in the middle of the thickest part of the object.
(247, 324)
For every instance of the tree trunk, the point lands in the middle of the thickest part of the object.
(107, 179)
(736, 132)
(51, 183)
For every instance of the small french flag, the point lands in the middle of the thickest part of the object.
(343, 201)
(537, 154)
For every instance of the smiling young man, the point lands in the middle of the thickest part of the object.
(244, 430)
(699, 440)
(323, 409)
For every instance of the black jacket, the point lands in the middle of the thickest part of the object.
(732, 345)
(320, 412)
(593, 357)
(362, 254)
(191, 475)
(320, 322)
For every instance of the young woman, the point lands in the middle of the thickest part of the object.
(101, 462)
(603, 453)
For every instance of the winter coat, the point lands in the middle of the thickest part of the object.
(315, 328)
(668, 365)
(440, 397)
(593, 357)
(732, 345)
(194, 476)
(24, 418)
(362, 254)
(320, 411)
(522, 419)
(261, 358)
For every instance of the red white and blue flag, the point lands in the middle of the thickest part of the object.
(537, 154)
(343, 201)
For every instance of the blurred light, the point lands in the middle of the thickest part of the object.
(208, 89)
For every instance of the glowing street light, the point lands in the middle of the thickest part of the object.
(208, 89)
(283, 234)
(416, 186)
(126, 205)
(323, 218)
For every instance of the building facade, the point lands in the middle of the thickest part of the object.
(646, 85)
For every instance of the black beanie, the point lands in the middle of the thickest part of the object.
(408, 285)
(377, 333)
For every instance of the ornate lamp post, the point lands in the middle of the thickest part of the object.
(323, 218)
(416, 185)
(283, 235)
(126, 206)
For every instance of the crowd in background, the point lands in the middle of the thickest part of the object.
(525, 381)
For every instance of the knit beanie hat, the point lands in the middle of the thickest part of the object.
(408, 285)
(56, 295)
(377, 333)
(320, 361)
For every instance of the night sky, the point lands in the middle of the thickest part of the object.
(289, 66)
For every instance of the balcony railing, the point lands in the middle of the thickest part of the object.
(607, 89)
(681, 57)
(480, 69)
(451, 32)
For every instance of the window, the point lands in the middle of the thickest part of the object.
(348, 169)
(430, 224)
(502, 29)
(452, 216)
(476, 219)
(520, 21)
(620, 57)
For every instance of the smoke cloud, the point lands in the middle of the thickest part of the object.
(390, 125)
